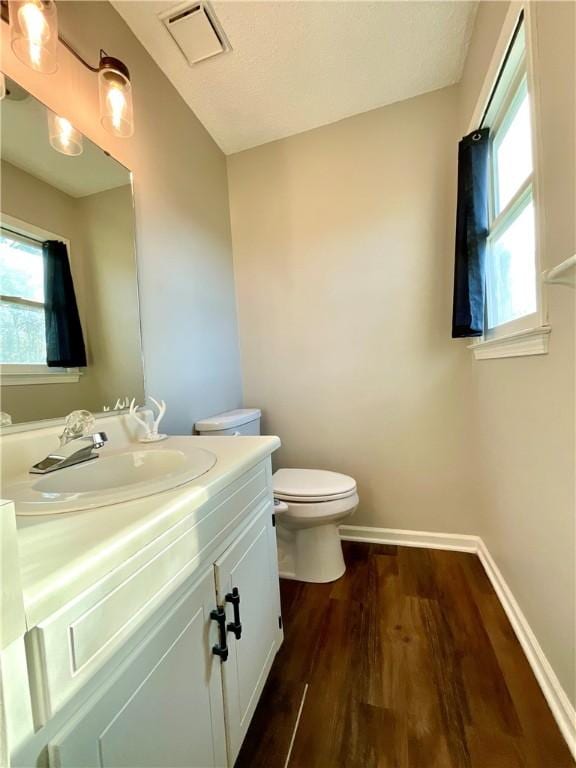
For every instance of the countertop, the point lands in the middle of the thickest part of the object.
(62, 555)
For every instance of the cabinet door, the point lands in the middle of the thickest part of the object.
(250, 566)
(163, 708)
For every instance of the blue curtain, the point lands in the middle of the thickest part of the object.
(471, 234)
(64, 340)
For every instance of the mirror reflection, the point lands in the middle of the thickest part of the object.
(69, 319)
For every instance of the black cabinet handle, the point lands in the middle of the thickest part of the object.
(236, 625)
(221, 649)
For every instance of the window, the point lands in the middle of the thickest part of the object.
(511, 273)
(22, 317)
(22, 340)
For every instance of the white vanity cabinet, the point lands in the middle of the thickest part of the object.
(164, 707)
(161, 663)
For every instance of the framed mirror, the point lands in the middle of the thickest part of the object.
(69, 316)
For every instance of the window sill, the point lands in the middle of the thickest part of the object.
(20, 375)
(532, 341)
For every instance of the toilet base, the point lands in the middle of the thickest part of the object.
(310, 554)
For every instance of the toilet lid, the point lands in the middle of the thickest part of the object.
(311, 485)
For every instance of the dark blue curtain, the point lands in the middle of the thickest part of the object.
(471, 234)
(64, 340)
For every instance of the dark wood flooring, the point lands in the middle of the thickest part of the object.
(410, 662)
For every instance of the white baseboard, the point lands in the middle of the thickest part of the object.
(559, 703)
(455, 541)
(562, 709)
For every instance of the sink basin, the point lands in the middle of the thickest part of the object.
(115, 476)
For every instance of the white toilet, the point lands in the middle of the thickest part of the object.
(309, 505)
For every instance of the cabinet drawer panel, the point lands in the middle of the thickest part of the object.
(72, 645)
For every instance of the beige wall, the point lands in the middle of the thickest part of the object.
(343, 248)
(182, 223)
(101, 234)
(525, 407)
(111, 294)
(36, 202)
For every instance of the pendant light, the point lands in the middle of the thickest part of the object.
(64, 138)
(115, 92)
(34, 33)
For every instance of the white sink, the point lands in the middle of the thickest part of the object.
(115, 476)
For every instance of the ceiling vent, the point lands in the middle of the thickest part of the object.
(196, 31)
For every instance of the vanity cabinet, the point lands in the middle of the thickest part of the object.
(161, 664)
(164, 707)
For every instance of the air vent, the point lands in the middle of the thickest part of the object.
(195, 30)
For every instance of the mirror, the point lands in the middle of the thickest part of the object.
(69, 318)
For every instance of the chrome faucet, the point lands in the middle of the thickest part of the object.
(77, 444)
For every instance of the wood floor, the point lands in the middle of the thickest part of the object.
(408, 661)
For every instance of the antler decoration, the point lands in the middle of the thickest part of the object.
(161, 411)
(142, 422)
(150, 432)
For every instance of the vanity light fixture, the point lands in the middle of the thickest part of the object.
(64, 137)
(34, 33)
(34, 37)
(115, 91)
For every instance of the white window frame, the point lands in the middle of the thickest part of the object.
(528, 335)
(16, 374)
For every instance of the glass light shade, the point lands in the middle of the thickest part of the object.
(115, 93)
(64, 137)
(34, 33)
(2, 85)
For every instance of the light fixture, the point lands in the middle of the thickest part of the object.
(115, 91)
(34, 36)
(64, 137)
(2, 85)
(34, 33)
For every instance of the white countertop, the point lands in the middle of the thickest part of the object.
(62, 555)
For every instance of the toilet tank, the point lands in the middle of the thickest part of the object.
(244, 421)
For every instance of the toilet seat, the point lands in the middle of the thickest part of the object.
(312, 485)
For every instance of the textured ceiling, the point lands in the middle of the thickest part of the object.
(296, 65)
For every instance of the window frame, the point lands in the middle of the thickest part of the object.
(527, 335)
(19, 374)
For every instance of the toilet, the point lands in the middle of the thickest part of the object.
(309, 505)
